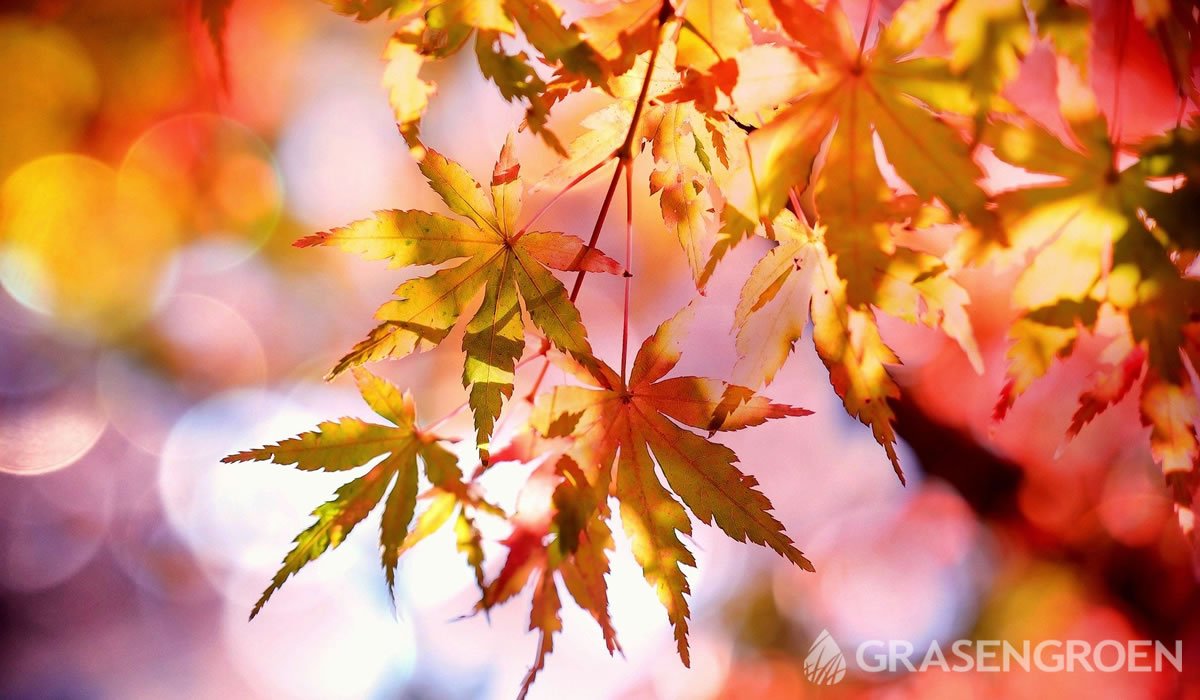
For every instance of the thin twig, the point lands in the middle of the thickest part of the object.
(608, 197)
(543, 351)
(537, 383)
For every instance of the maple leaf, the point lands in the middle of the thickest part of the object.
(712, 34)
(626, 422)
(1172, 24)
(1102, 266)
(713, 31)
(856, 94)
(508, 264)
(626, 29)
(773, 113)
(990, 40)
(682, 176)
(408, 93)
(435, 30)
(1122, 368)
(542, 23)
(516, 79)
(560, 534)
(349, 443)
(1175, 25)
(589, 47)
(800, 277)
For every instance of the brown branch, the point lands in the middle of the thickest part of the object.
(624, 152)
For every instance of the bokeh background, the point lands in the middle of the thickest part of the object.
(153, 318)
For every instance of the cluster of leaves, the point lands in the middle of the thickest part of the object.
(771, 119)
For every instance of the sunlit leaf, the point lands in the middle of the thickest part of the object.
(626, 422)
(508, 265)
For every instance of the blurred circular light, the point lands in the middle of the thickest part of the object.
(207, 343)
(80, 247)
(1134, 507)
(910, 571)
(217, 174)
(331, 641)
(33, 363)
(141, 405)
(46, 432)
(155, 557)
(338, 175)
(241, 518)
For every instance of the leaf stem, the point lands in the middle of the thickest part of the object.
(1121, 31)
(862, 39)
(543, 351)
(805, 217)
(537, 383)
(628, 269)
(625, 150)
(553, 200)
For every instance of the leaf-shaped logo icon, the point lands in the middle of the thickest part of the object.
(825, 664)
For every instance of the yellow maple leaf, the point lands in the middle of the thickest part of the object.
(509, 265)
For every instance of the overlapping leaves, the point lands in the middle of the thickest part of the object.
(854, 94)
(1105, 264)
(567, 542)
(591, 50)
(801, 274)
(771, 117)
(690, 151)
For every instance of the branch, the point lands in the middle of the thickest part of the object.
(624, 152)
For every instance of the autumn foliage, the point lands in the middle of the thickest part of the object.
(866, 151)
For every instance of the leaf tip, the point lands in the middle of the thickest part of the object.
(507, 168)
(793, 411)
(312, 240)
(1008, 396)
